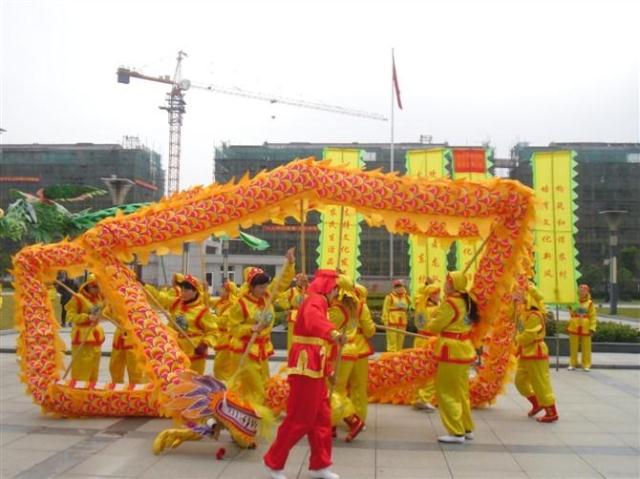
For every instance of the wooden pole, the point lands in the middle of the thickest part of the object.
(203, 268)
(83, 343)
(112, 321)
(252, 340)
(178, 328)
(340, 238)
(397, 330)
(557, 336)
(185, 258)
(476, 254)
(303, 245)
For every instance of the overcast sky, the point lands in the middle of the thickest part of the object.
(469, 72)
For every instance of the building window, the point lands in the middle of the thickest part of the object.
(231, 276)
(369, 156)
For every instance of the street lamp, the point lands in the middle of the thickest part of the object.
(613, 219)
(118, 188)
(225, 259)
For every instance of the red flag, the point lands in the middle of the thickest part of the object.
(395, 82)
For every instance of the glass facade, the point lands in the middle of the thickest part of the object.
(607, 179)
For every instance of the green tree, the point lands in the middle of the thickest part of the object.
(627, 284)
(594, 275)
(630, 259)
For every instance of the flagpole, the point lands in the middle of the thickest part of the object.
(391, 154)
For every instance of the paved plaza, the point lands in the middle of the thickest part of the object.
(598, 436)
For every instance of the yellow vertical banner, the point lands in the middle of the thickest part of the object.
(470, 164)
(427, 257)
(555, 252)
(339, 226)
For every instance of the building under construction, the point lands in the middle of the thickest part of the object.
(31, 167)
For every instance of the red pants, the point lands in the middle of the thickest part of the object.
(308, 414)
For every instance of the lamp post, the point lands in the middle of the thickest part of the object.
(118, 188)
(613, 219)
(225, 259)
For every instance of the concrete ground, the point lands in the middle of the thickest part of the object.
(8, 340)
(598, 436)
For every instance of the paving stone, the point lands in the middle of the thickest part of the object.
(597, 436)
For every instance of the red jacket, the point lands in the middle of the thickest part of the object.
(312, 347)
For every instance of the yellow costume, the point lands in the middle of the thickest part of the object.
(455, 353)
(223, 365)
(350, 314)
(194, 318)
(242, 316)
(123, 357)
(426, 307)
(172, 291)
(395, 313)
(290, 301)
(53, 295)
(582, 325)
(87, 335)
(532, 377)
(357, 351)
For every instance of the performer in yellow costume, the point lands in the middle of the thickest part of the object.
(395, 313)
(291, 300)
(532, 377)
(123, 357)
(253, 313)
(193, 317)
(454, 351)
(83, 312)
(359, 349)
(427, 303)
(582, 325)
(223, 365)
(172, 291)
(350, 314)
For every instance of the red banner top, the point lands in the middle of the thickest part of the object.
(469, 160)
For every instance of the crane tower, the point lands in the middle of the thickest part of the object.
(175, 107)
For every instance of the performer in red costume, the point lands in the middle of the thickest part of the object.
(308, 409)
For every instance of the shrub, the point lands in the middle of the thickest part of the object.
(611, 332)
(375, 301)
(606, 332)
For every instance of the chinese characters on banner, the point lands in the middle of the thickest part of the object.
(470, 164)
(427, 258)
(555, 253)
(340, 243)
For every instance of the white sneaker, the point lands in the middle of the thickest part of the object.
(323, 474)
(451, 439)
(273, 474)
(587, 369)
(424, 406)
(469, 436)
(570, 368)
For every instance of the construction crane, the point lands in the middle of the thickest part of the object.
(175, 107)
